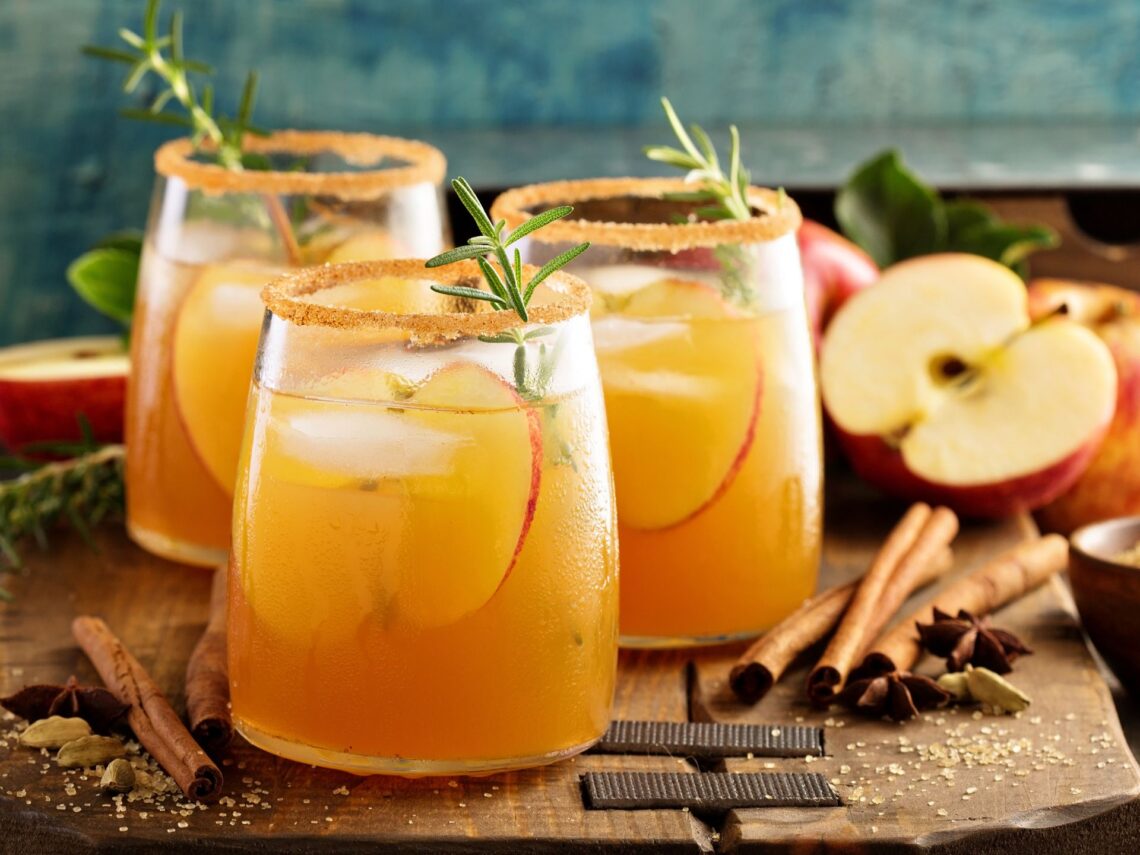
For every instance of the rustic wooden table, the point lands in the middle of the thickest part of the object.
(1059, 776)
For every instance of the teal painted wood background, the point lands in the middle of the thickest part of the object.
(479, 76)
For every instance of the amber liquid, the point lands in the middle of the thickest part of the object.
(371, 627)
(193, 347)
(715, 437)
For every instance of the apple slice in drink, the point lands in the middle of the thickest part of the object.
(215, 344)
(942, 390)
(433, 496)
(683, 383)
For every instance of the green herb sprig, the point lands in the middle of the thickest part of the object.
(726, 195)
(162, 55)
(83, 491)
(505, 281)
(507, 288)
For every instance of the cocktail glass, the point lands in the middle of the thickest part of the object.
(710, 393)
(214, 238)
(424, 565)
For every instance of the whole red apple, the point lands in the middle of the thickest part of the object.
(46, 385)
(834, 270)
(1110, 487)
(940, 388)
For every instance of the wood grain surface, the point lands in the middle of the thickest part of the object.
(1059, 777)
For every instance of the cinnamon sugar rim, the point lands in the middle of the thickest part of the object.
(284, 297)
(424, 164)
(781, 215)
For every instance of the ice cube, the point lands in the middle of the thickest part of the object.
(367, 443)
(613, 335)
(620, 379)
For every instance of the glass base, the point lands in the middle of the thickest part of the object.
(365, 764)
(665, 642)
(176, 550)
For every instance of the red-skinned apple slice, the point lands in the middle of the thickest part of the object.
(1110, 487)
(940, 389)
(46, 385)
(683, 385)
(497, 470)
(450, 474)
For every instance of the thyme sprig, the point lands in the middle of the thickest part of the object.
(726, 195)
(505, 281)
(83, 491)
(162, 55)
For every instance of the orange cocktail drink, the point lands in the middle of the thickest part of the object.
(707, 367)
(424, 563)
(215, 238)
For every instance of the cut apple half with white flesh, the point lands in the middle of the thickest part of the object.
(942, 390)
(215, 345)
(683, 383)
(451, 475)
(46, 385)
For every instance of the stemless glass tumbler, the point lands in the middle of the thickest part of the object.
(707, 367)
(424, 565)
(214, 238)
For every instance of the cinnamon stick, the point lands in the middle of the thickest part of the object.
(157, 726)
(762, 665)
(1002, 580)
(207, 676)
(919, 535)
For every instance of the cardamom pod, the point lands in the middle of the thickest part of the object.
(118, 777)
(54, 732)
(90, 751)
(989, 688)
(955, 683)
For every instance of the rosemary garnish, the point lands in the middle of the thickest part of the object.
(83, 491)
(211, 133)
(505, 281)
(726, 195)
(148, 53)
(720, 197)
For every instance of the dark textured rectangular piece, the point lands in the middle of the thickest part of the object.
(713, 792)
(711, 740)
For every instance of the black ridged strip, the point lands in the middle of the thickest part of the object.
(707, 739)
(708, 792)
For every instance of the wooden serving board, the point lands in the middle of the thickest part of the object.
(1059, 777)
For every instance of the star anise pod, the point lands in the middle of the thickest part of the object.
(94, 704)
(968, 639)
(900, 695)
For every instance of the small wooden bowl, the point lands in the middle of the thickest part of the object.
(1108, 593)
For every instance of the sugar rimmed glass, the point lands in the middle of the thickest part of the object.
(214, 238)
(707, 367)
(424, 561)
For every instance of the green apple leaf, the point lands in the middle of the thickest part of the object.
(106, 279)
(889, 212)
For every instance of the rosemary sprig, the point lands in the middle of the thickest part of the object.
(161, 55)
(726, 195)
(211, 133)
(505, 281)
(83, 491)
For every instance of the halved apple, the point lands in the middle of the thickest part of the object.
(1110, 487)
(941, 390)
(682, 379)
(442, 490)
(46, 385)
(215, 345)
